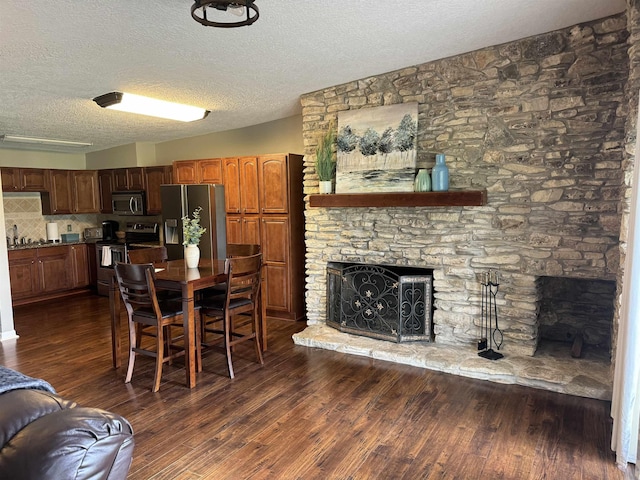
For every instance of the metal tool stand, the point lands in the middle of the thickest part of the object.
(492, 334)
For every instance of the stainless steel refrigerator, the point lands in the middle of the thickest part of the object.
(181, 200)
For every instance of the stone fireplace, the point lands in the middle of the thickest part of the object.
(535, 122)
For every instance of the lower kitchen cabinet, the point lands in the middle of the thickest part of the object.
(54, 269)
(93, 265)
(23, 273)
(41, 273)
(80, 265)
(282, 268)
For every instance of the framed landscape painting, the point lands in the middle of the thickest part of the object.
(377, 149)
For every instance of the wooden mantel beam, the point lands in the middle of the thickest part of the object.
(452, 198)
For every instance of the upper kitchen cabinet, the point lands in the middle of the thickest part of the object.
(210, 171)
(185, 171)
(71, 191)
(128, 179)
(23, 179)
(105, 187)
(241, 185)
(153, 178)
(85, 191)
(58, 201)
(278, 175)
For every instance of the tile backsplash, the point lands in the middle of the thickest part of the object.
(25, 211)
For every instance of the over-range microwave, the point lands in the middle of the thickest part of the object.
(128, 203)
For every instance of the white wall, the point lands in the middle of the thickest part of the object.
(7, 329)
(116, 157)
(38, 159)
(278, 136)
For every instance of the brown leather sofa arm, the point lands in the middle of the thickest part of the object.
(44, 436)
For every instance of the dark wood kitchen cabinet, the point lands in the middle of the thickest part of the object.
(23, 274)
(71, 191)
(58, 200)
(23, 179)
(79, 265)
(147, 179)
(54, 269)
(43, 273)
(10, 179)
(128, 179)
(92, 265)
(153, 178)
(105, 188)
(85, 191)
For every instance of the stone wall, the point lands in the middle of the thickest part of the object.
(630, 109)
(537, 122)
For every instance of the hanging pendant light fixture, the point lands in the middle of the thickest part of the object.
(213, 13)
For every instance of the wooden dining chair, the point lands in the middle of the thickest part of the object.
(242, 249)
(150, 317)
(148, 255)
(153, 255)
(241, 297)
(245, 250)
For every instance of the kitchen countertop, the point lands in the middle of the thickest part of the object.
(28, 246)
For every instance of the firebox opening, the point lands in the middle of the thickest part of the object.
(577, 313)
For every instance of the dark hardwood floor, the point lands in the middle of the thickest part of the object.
(312, 414)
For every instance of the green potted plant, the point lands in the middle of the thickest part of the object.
(325, 166)
(191, 233)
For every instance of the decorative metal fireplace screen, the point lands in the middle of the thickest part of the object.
(389, 303)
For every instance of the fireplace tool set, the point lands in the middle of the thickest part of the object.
(492, 335)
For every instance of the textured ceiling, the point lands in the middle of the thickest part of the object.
(55, 58)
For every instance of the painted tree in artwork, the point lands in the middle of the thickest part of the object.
(369, 142)
(347, 141)
(406, 134)
(386, 143)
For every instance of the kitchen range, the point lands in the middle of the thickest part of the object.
(112, 249)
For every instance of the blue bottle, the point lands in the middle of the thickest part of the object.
(440, 175)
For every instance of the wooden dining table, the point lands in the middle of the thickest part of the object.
(173, 275)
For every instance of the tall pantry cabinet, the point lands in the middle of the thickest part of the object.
(264, 205)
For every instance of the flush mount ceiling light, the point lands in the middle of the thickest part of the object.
(43, 141)
(128, 102)
(213, 13)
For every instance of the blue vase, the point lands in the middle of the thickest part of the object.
(423, 181)
(440, 175)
